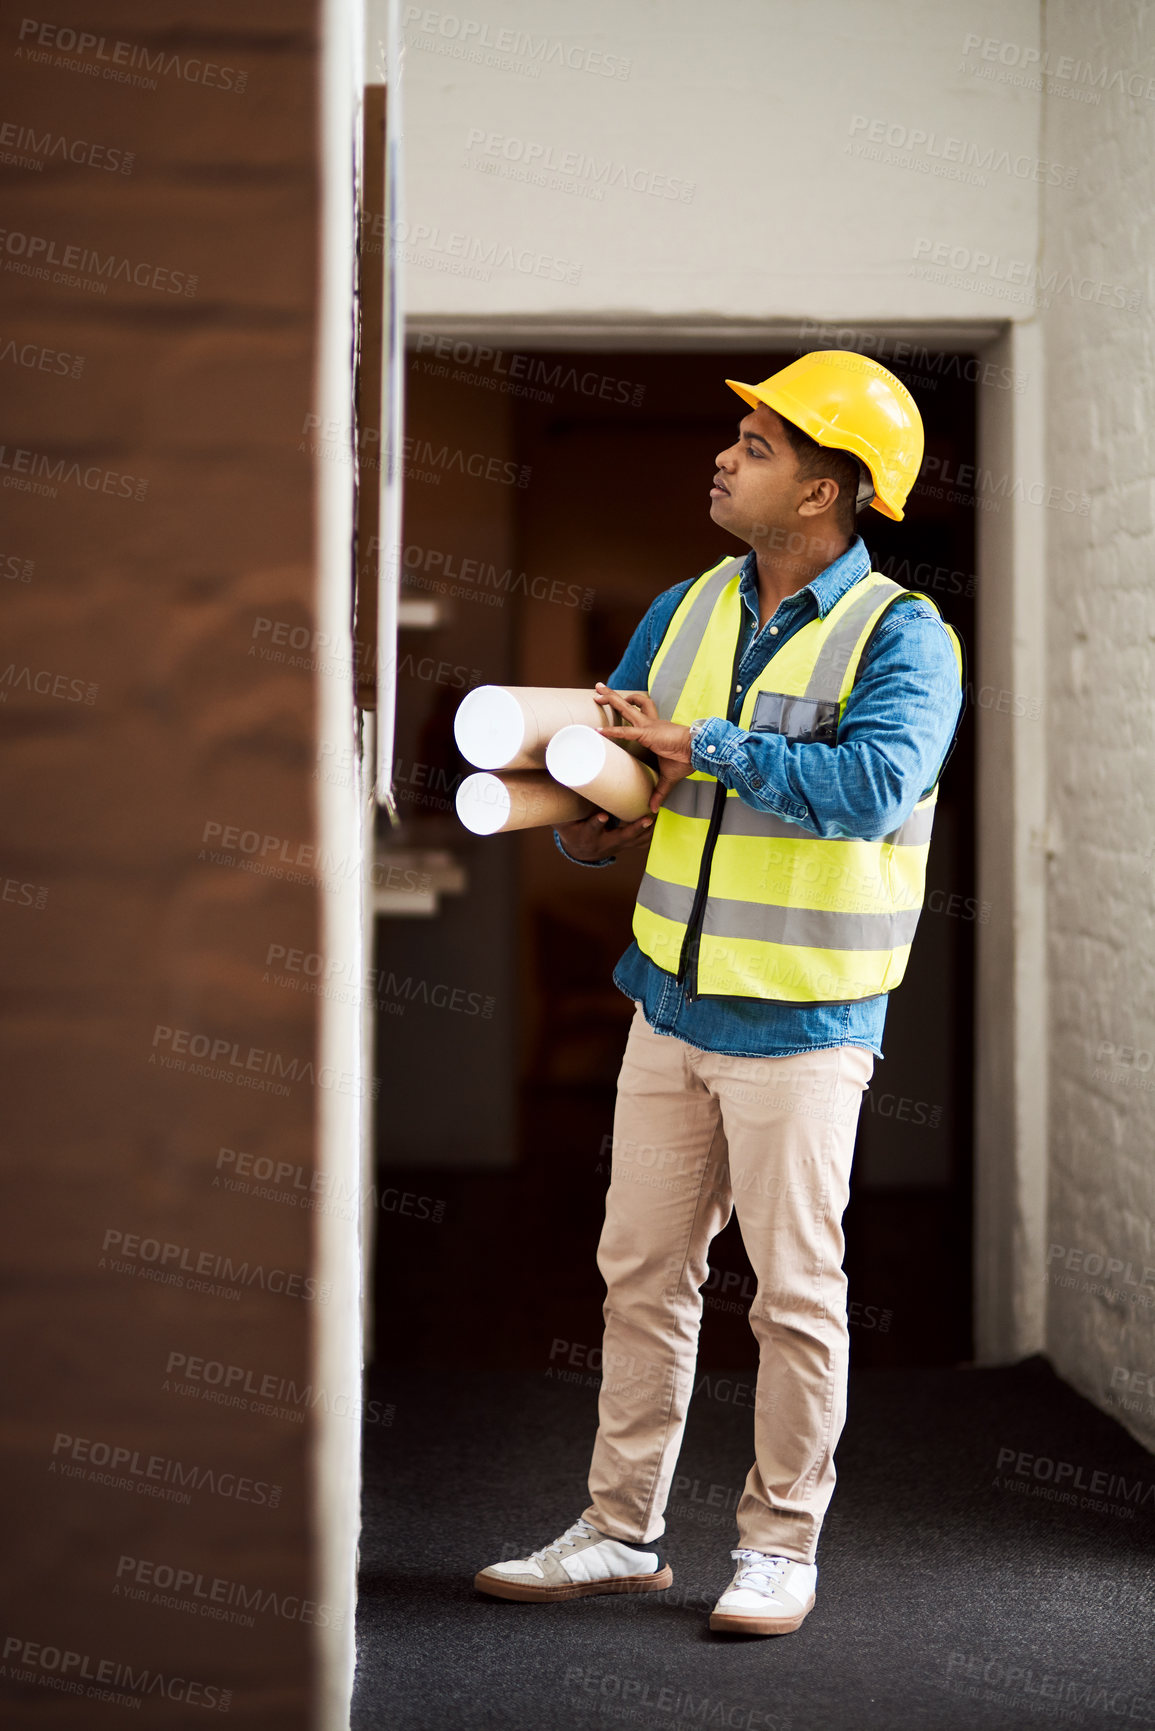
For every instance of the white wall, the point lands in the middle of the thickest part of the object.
(1101, 723)
(754, 109)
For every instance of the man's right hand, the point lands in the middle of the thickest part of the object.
(589, 840)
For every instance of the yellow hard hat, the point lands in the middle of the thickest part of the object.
(850, 403)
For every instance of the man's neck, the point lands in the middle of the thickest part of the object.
(782, 573)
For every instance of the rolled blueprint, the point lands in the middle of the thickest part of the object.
(580, 758)
(490, 804)
(509, 726)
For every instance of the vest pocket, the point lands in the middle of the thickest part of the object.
(806, 720)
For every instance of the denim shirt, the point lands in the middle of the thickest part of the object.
(896, 730)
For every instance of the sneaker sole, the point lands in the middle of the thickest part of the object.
(726, 1623)
(525, 1593)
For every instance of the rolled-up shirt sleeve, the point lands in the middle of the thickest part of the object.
(895, 732)
(595, 864)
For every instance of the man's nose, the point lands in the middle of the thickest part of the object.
(725, 456)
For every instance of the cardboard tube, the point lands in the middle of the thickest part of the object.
(491, 804)
(580, 758)
(509, 726)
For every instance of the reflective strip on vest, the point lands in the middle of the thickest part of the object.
(787, 916)
(695, 798)
(670, 677)
(810, 928)
(834, 655)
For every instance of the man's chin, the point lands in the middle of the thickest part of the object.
(721, 512)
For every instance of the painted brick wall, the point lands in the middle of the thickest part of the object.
(159, 725)
(1100, 245)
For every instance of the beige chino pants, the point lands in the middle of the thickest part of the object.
(698, 1135)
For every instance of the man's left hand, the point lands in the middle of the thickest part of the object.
(669, 742)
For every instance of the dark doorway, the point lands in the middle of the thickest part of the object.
(553, 496)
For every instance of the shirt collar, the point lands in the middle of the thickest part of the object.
(828, 587)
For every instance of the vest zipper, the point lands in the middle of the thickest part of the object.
(688, 960)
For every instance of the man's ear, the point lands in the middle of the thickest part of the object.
(820, 497)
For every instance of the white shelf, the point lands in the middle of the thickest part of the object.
(419, 613)
(408, 882)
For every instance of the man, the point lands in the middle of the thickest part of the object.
(800, 708)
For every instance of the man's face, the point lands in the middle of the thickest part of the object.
(756, 493)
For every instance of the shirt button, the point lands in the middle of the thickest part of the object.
(709, 751)
(737, 688)
(774, 631)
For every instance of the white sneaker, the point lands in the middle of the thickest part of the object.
(768, 1596)
(582, 1561)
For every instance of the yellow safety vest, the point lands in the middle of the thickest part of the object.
(740, 903)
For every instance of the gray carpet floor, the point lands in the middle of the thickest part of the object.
(974, 1573)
